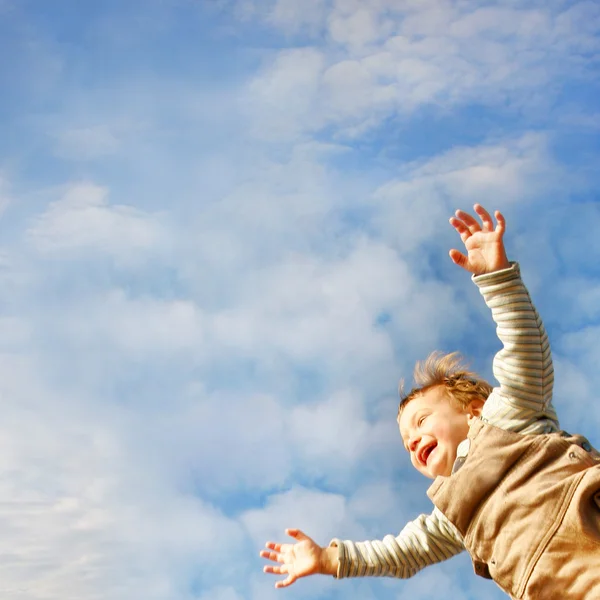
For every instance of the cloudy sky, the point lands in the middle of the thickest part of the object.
(223, 241)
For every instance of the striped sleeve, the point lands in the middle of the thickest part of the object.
(523, 367)
(425, 541)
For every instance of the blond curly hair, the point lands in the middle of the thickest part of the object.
(450, 371)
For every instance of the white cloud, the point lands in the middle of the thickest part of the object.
(84, 220)
(315, 311)
(332, 437)
(586, 303)
(14, 332)
(446, 56)
(316, 513)
(320, 430)
(227, 441)
(285, 93)
(377, 499)
(496, 174)
(577, 27)
(243, 442)
(350, 89)
(432, 20)
(85, 509)
(137, 326)
(292, 16)
(497, 22)
(325, 312)
(358, 28)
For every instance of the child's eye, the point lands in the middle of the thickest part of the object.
(421, 420)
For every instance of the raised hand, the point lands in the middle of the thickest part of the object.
(305, 557)
(483, 242)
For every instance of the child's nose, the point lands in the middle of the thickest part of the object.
(413, 442)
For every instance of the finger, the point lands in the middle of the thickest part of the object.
(274, 556)
(458, 258)
(285, 582)
(297, 534)
(283, 570)
(486, 219)
(501, 226)
(468, 220)
(461, 228)
(277, 547)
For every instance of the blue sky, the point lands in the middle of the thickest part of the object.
(223, 241)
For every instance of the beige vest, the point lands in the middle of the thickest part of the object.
(528, 508)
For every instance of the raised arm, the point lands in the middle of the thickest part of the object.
(523, 367)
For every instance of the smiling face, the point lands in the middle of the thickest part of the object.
(432, 426)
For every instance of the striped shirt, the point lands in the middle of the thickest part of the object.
(522, 403)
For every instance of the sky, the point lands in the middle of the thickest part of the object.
(223, 242)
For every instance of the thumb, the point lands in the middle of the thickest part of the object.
(458, 258)
(297, 534)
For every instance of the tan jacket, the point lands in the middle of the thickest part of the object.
(528, 507)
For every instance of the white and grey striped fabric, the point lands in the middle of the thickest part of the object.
(522, 403)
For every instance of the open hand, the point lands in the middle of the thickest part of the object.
(305, 557)
(484, 244)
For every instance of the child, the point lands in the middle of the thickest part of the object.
(522, 497)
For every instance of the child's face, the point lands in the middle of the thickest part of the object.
(432, 426)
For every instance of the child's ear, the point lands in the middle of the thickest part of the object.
(475, 407)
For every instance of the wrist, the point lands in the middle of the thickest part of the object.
(329, 560)
(501, 266)
(511, 272)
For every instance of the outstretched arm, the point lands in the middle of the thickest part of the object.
(427, 540)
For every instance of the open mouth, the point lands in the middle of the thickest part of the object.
(425, 453)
